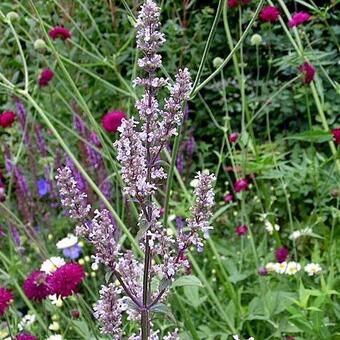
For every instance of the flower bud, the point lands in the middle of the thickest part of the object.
(217, 62)
(256, 40)
(39, 45)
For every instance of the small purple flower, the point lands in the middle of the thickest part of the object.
(228, 198)
(241, 230)
(43, 187)
(281, 254)
(262, 271)
(179, 222)
(73, 252)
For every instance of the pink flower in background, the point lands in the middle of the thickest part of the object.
(26, 336)
(309, 72)
(233, 137)
(36, 287)
(64, 281)
(241, 230)
(241, 185)
(235, 3)
(228, 198)
(298, 19)
(45, 77)
(59, 32)
(112, 121)
(269, 13)
(7, 118)
(6, 298)
(281, 254)
(336, 135)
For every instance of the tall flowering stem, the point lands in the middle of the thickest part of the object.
(139, 151)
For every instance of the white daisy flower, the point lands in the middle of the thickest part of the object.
(270, 266)
(312, 269)
(280, 268)
(52, 264)
(293, 268)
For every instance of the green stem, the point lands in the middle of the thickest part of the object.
(226, 60)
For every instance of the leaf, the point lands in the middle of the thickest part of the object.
(192, 295)
(162, 308)
(314, 136)
(188, 280)
(164, 284)
(108, 276)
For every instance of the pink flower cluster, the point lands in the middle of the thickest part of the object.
(60, 32)
(6, 298)
(235, 3)
(269, 14)
(63, 282)
(7, 118)
(298, 19)
(45, 77)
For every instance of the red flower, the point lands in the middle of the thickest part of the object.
(298, 19)
(281, 254)
(270, 14)
(36, 286)
(233, 137)
(7, 118)
(6, 298)
(309, 71)
(46, 76)
(235, 3)
(241, 230)
(59, 32)
(64, 280)
(112, 120)
(336, 135)
(241, 184)
(26, 336)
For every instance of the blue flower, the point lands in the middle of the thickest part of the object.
(73, 252)
(43, 187)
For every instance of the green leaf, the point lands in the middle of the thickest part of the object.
(313, 136)
(192, 295)
(188, 280)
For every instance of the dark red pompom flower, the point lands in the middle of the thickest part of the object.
(45, 77)
(233, 137)
(235, 3)
(269, 13)
(281, 254)
(64, 280)
(241, 185)
(336, 135)
(7, 118)
(26, 336)
(6, 298)
(59, 32)
(309, 72)
(298, 19)
(112, 120)
(241, 230)
(228, 198)
(36, 286)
